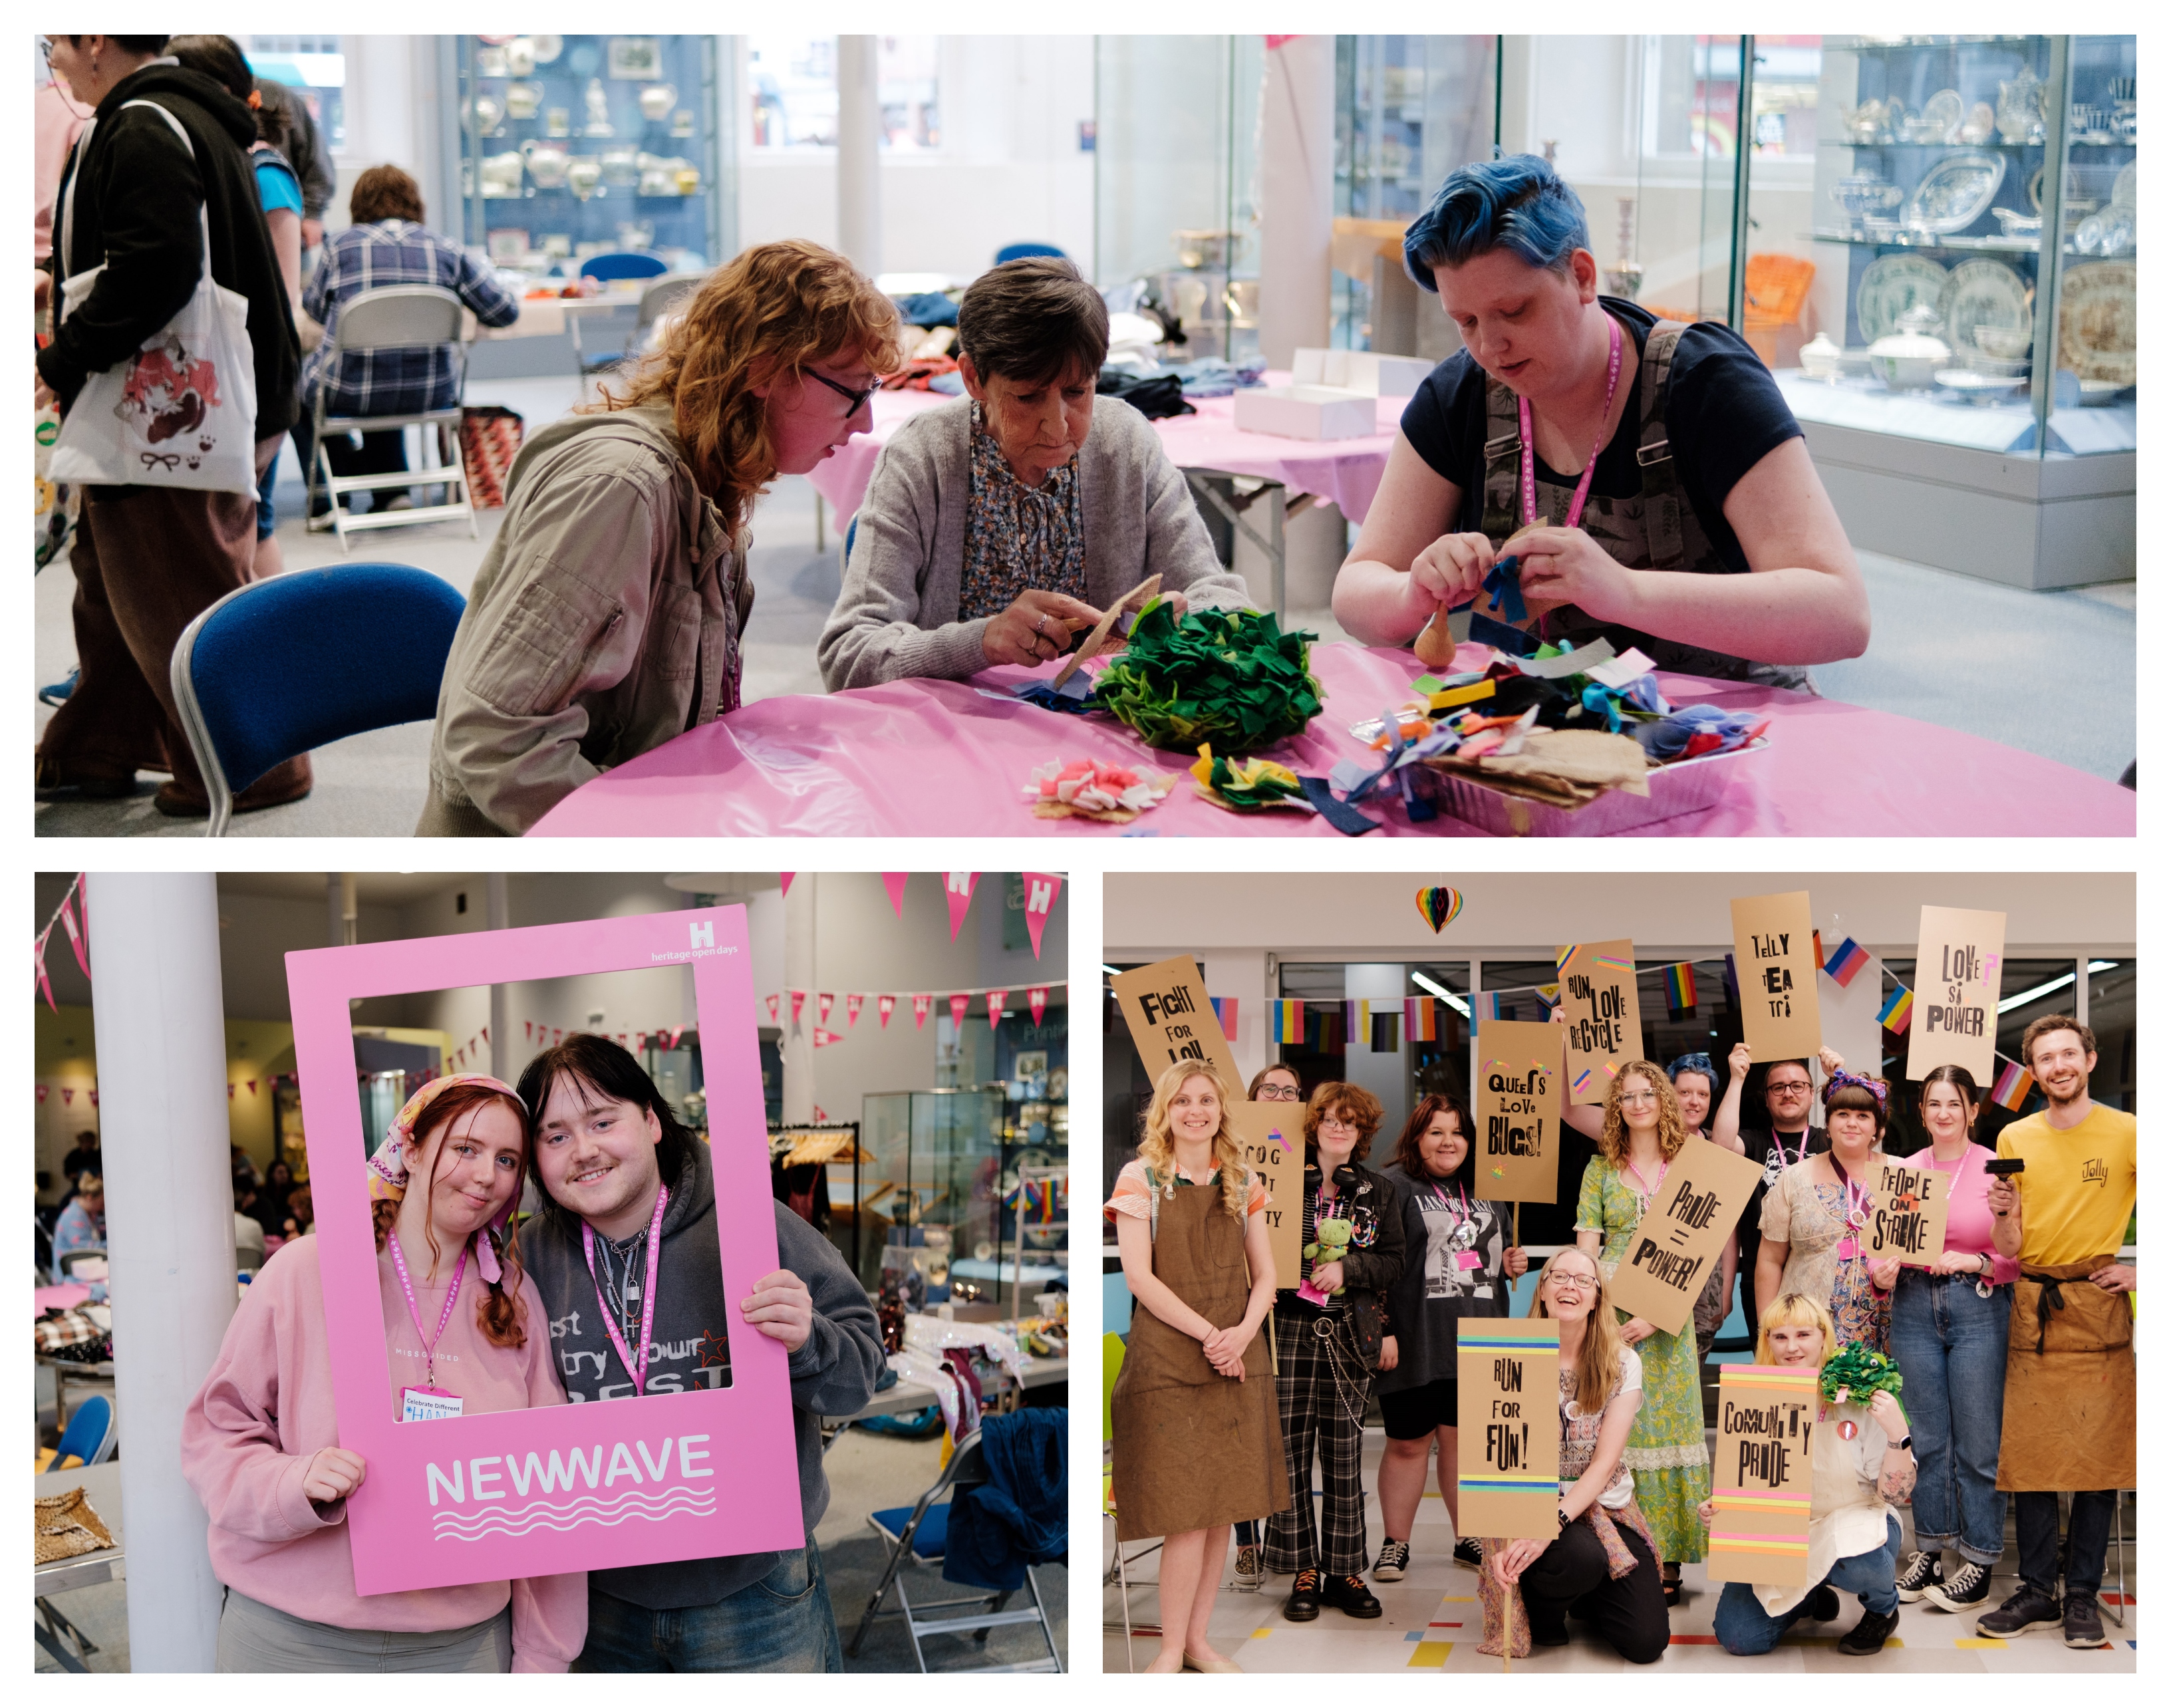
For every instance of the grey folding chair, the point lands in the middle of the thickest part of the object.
(658, 298)
(394, 317)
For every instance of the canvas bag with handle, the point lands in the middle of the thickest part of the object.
(181, 411)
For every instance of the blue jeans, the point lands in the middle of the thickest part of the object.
(1949, 1343)
(781, 1623)
(1744, 1628)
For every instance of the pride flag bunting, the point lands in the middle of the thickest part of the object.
(1898, 1011)
(1847, 961)
(1287, 1022)
(1224, 1010)
(1681, 990)
(2014, 1083)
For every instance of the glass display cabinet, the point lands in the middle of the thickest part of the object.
(574, 145)
(935, 1179)
(1975, 195)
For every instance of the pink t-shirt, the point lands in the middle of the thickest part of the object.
(266, 1407)
(58, 119)
(1969, 1220)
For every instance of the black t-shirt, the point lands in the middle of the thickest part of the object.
(1725, 413)
(1761, 1146)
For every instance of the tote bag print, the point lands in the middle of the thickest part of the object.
(182, 410)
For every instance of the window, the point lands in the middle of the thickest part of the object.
(791, 91)
(316, 67)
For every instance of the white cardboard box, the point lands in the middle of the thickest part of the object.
(1371, 372)
(1307, 412)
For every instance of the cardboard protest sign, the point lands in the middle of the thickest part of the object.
(1272, 1136)
(1603, 1025)
(1507, 1449)
(1518, 1109)
(1959, 954)
(1171, 1020)
(1775, 964)
(1686, 1226)
(1760, 1484)
(470, 1499)
(1907, 1208)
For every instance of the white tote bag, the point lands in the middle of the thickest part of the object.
(181, 411)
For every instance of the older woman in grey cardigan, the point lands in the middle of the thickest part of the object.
(997, 526)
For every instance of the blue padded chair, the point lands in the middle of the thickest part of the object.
(1019, 252)
(278, 668)
(623, 264)
(90, 1435)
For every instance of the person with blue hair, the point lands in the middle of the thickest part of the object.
(1656, 485)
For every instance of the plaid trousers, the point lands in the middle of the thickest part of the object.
(1322, 1385)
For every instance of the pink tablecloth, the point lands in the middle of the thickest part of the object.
(1345, 472)
(941, 759)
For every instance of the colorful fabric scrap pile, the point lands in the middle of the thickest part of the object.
(1248, 786)
(1088, 789)
(1229, 678)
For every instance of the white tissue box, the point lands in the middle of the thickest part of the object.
(1307, 412)
(1368, 371)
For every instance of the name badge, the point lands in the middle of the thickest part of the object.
(1849, 1247)
(426, 1405)
(1468, 1260)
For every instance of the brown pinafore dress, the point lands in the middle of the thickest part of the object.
(2071, 1403)
(1193, 1448)
(1658, 529)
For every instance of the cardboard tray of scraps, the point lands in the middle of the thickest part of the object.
(1685, 787)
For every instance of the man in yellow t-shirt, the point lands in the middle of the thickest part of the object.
(2069, 1374)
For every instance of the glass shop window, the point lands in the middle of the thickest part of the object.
(791, 91)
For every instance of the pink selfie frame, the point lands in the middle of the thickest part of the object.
(473, 1499)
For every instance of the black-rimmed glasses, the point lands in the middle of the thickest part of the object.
(855, 397)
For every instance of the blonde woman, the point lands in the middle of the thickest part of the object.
(1860, 1462)
(1639, 1138)
(1197, 1447)
(608, 615)
(1604, 1563)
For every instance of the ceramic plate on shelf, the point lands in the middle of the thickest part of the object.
(1941, 116)
(2076, 200)
(1977, 387)
(1890, 285)
(1983, 293)
(2122, 192)
(2098, 316)
(1955, 192)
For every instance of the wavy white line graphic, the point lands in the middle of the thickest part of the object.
(628, 1497)
(450, 1529)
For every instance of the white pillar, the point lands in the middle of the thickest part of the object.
(1385, 1073)
(504, 1063)
(1242, 974)
(169, 1221)
(1296, 213)
(799, 974)
(859, 154)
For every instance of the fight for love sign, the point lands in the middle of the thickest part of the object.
(1518, 1112)
(1507, 1469)
(1775, 966)
(1958, 957)
(1171, 1020)
(1686, 1226)
(1271, 1136)
(1603, 1026)
(1907, 1207)
(1759, 1483)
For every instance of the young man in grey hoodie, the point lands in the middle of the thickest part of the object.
(606, 1144)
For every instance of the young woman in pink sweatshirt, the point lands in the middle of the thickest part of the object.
(258, 1443)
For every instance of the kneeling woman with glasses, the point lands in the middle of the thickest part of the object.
(1604, 1564)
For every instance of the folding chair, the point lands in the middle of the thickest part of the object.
(88, 1439)
(75, 1254)
(919, 1536)
(658, 298)
(394, 317)
(278, 668)
(1112, 1366)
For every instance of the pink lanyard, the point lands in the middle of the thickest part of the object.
(1529, 453)
(407, 1287)
(1650, 1191)
(637, 1367)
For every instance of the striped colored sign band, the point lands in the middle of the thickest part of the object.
(1508, 1486)
(1756, 1544)
(1581, 1080)
(1539, 1066)
(1566, 955)
(1738, 1502)
(1765, 1376)
(1496, 1062)
(1613, 963)
(1494, 1343)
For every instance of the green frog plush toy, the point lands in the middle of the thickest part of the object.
(1329, 1243)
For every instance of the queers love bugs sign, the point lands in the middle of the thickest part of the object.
(556, 1488)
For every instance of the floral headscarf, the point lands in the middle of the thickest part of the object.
(387, 1168)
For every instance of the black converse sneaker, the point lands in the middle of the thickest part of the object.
(1964, 1592)
(1394, 1560)
(1468, 1553)
(1919, 1573)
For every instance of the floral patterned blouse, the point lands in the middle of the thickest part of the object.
(1018, 537)
(1808, 1214)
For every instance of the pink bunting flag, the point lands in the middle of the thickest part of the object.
(798, 1005)
(67, 1094)
(853, 1004)
(785, 879)
(252, 1088)
(894, 883)
(822, 1038)
(485, 1035)
(995, 1007)
(676, 1033)
(45, 984)
(771, 1000)
(557, 1033)
(1040, 890)
(958, 1004)
(820, 1113)
(957, 889)
(1036, 1000)
(41, 1094)
(920, 1004)
(530, 1026)
(229, 1091)
(74, 935)
(885, 1006)
(93, 1097)
(827, 1001)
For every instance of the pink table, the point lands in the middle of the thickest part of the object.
(1344, 472)
(941, 759)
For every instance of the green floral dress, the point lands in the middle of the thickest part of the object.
(1666, 1447)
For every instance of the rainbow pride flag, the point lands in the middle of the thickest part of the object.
(1897, 1012)
(2014, 1083)
(1681, 990)
(1845, 961)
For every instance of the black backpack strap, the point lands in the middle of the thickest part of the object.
(1654, 456)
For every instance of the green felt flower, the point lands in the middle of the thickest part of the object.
(1230, 679)
(1860, 1373)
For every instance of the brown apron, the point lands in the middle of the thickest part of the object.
(2070, 1413)
(1193, 1448)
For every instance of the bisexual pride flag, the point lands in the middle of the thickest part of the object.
(1846, 960)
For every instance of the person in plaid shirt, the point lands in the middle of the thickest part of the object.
(386, 244)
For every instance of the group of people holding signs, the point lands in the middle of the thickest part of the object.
(1936, 1330)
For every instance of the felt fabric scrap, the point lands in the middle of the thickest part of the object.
(1487, 632)
(1231, 679)
(1505, 589)
(1041, 693)
(1088, 789)
(1551, 663)
(1248, 786)
(1693, 730)
(1345, 818)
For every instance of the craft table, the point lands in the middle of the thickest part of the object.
(927, 758)
(102, 1483)
(1220, 461)
(913, 1396)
